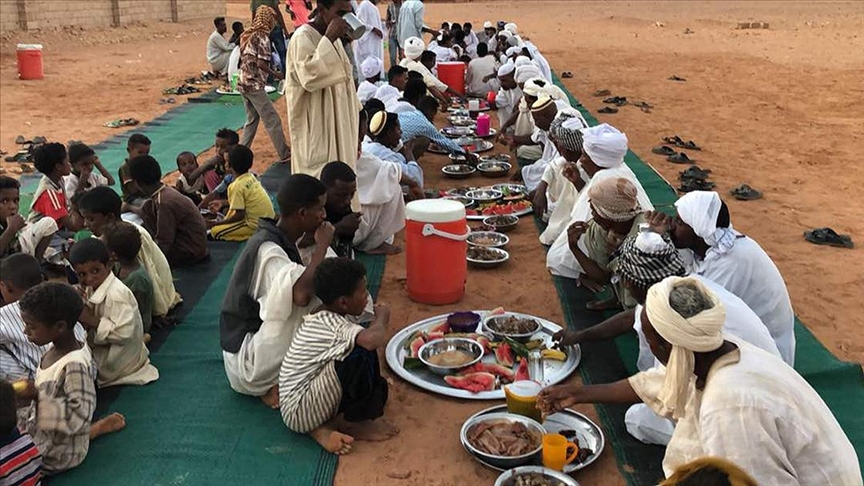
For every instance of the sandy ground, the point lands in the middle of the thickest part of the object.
(779, 109)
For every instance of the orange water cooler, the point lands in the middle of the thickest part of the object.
(452, 74)
(30, 61)
(435, 246)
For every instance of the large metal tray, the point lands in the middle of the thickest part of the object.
(588, 433)
(553, 371)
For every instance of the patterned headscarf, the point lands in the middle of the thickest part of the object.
(648, 258)
(567, 137)
(263, 23)
(615, 199)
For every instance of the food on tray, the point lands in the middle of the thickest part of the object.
(555, 354)
(504, 355)
(485, 240)
(513, 325)
(459, 191)
(451, 358)
(459, 168)
(473, 382)
(503, 438)
(483, 254)
(584, 452)
(522, 372)
(495, 209)
(534, 479)
(504, 373)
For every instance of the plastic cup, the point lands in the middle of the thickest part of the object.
(556, 453)
(522, 399)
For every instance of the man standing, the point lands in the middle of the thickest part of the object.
(277, 34)
(392, 23)
(411, 21)
(372, 42)
(218, 49)
(321, 96)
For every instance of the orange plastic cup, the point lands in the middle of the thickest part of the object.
(556, 451)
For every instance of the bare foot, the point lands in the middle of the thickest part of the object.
(385, 249)
(371, 430)
(271, 398)
(106, 425)
(332, 440)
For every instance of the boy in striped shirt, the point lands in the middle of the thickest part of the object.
(20, 461)
(330, 383)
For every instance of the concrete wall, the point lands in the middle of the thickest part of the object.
(46, 14)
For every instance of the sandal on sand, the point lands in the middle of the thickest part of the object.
(607, 109)
(566, 75)
(689, 185)
(695, 172)
(602, 92)
(680, 158)
(123, 122)
(676, 78)
(616, 100)
(663, 150)
(689, 145)
(829, 237)
(20, 140)
(673, 140)
(745, 193)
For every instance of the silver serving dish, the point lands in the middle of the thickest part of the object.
(467, 141)
(397, 351)
(496, 158)
(492, 133)
(466, 201)
(512, 191)
(449, 344)
(502, 223)
(455, 132)
(462, 121)
(587, 433)
(479, 146)
(484, 195)
(461, 191)
(491, 239)
(494, 169)
(458, 171)
(503, 256)
(503, 462)
(508, 478)
(458, 159)
(499, 336)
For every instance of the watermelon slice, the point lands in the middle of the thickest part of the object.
(522, 370)
(485, 342)
(415, 346)
(433, 335)
(498, 311)
(443, 328)
(504, 373)
(473, 382)
(504, 355)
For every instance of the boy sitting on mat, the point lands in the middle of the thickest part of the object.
(82, 178)
(16, 235)
(100, 208)
(63, 396)
(111, 316)
(138, 144)
(124, 242)
(330, 383)
(247, 200)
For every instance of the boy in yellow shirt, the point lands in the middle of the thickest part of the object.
(247, 200)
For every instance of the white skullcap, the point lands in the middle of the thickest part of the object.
(573, 123)
(512, 51)
(488, 25)
(414, 47)
(505, 34)
(371, 67)
(605, 144)
(503, 59)
(699, 210)
(542, 103)
(526, 72)
(650, 242)
(700, 334)
(520, 60)
(506, 69)
(512, 28)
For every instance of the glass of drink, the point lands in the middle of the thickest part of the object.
(522, 399)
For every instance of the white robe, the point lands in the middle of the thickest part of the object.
(381, 202)
(507, 102)
(748, 272)
(532, 174)
(477, 70)
(369, 44)
(560, 259)
(761, 415)
(561, 196)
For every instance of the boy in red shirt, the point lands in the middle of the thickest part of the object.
(49, 200)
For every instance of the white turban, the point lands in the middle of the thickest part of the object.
(526, 72)
(512, 51)
(371, 67)
(605, 144)
(699, 210)
(700, 333)
(506, 69)
(414, 47)
(505, 34)
(534, 87)
(488, 25)
(521, 60)
(512, 28)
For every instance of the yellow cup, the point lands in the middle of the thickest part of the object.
(522, 399)
(556, 453)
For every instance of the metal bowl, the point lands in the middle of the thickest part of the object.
(508, 478)
(457, 131)
(462, 121)
(502, 223)
(458, 171)
(461, 191)
(503, 256)
(493, 239)
(503, 462)
(463, 321)
(458, 159)
(496, 158)
(484, 195)
(499, 336)
(466, 201)
(512, 192)
(479, 145)
(494, 169)
(439, 346)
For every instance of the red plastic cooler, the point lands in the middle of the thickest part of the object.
(452, 74)
(30, 61)
(435, 247)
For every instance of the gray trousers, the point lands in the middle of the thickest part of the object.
(258, 106)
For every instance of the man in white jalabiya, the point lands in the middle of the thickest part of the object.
(644, 260)
(733, 260)
(481, 76)
(371, 44)
(507, 99)
(219, 49)
(371, 72)
(544, 111)
(730, 399)
(556, 195)
(603, 151)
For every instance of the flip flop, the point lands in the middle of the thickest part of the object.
(37, 140)
(608, 110)
(566, 75)
(663, 150)
(20, 140)
(673, 140)
(680, 158)
(694, 172)
(644, 106)
(829, 237)
(602, 92)
(676, 78)
(745, 193)
(616, 100)
(689, 145)
(689, 185)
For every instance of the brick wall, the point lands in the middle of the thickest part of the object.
(46, 14)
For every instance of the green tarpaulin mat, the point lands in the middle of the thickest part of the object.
(189, 427)
(839, 383)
